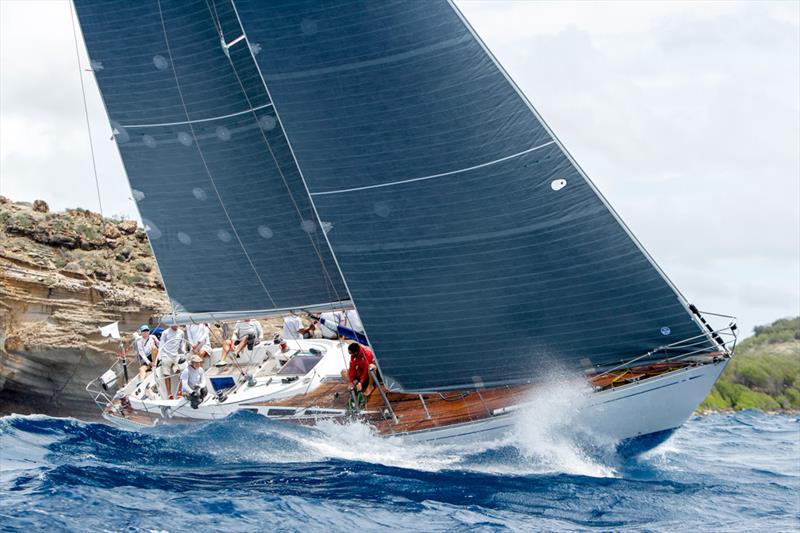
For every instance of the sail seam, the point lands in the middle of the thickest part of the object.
(433, 176)
(205, 164)
(302, 177)
(195, 121)
(331, 286)
(680, 296)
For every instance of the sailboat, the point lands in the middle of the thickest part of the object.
(302, 156)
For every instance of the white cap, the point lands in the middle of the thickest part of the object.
(197, 359)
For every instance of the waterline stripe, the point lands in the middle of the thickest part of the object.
(423, 178)
(129, 126)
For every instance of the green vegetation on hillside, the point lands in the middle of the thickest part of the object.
(764, 373)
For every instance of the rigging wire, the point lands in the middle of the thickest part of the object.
(330, 286)
(203, 159)
(85, 108)
(333, 293)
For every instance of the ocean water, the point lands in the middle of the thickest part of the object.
(734, 472)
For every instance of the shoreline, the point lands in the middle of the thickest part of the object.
(730, 410)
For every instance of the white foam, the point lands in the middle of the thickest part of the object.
(550, 433)
(358, 442)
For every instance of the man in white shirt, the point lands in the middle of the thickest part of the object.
(246, 332)
(170, 348)
(198, 336)
(293, 328)
(193, 382)
(146, 348)
(328, 319)
(353, 321)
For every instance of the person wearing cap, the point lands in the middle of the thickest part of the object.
(361, 362)
(146, 347)
(193, 381)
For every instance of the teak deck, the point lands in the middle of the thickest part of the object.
(445, 409)
(448, 408)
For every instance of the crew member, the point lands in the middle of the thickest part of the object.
(361, 362)
(146, 347)
(246, 332)
(198, 336)
(193, 381)
(293, 328)
(170, 348)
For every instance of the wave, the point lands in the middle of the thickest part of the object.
(248, 472)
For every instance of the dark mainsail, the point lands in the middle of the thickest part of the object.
(455, 214)
(476, 251)
(227, 214)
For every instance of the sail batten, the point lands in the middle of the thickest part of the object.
(197, 120)
(434, 176)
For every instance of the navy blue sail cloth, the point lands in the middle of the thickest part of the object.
(227, 214)
(474, 250)
(347, 333)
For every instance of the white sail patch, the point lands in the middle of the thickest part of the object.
(223, 133)
(267, 123)
(160, 62)
(184, 138)
(265, 232)
(149, 141)
(308, 226)
(200, 194)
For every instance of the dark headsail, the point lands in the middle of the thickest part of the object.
(475, 250)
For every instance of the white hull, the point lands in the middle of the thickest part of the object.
(652, 406)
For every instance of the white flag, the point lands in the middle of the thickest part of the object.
(111, 330)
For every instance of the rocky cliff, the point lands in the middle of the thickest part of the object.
(62, 276)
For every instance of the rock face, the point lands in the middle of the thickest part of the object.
(62, 276)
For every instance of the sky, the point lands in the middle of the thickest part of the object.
(686, 115)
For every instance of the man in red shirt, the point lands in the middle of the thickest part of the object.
(361, 362)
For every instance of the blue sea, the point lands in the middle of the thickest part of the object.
(734, 472)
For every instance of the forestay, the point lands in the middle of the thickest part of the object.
(219, 192)
(475, 250)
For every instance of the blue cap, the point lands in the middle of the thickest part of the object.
(144, 327)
